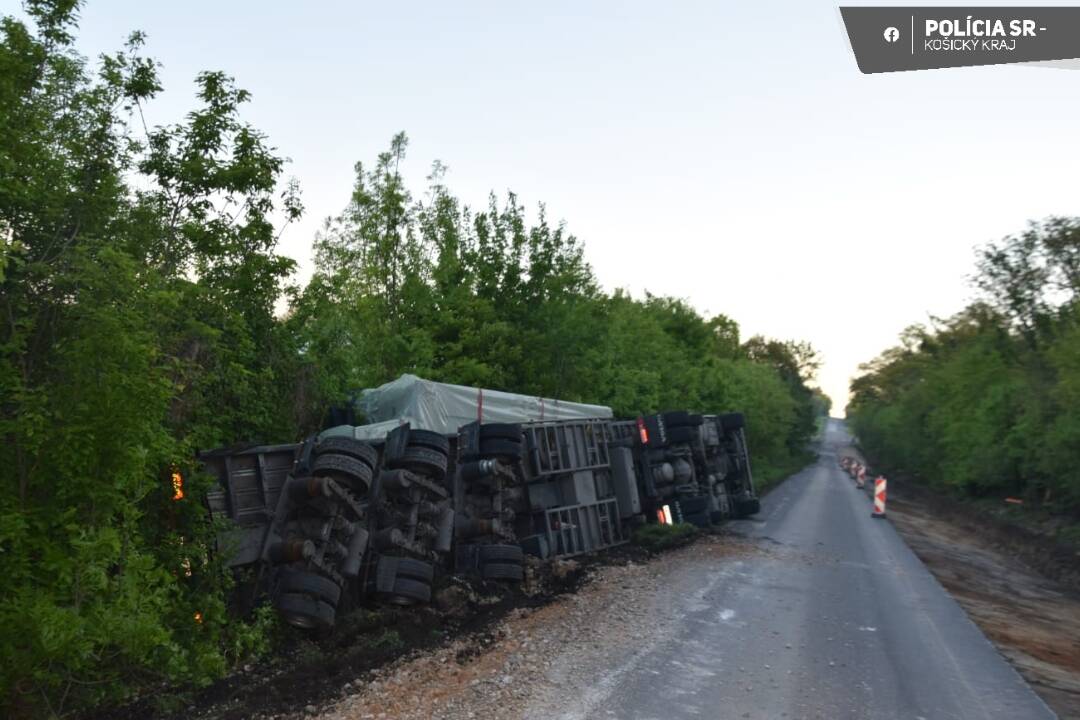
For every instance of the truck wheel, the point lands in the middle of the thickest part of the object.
(700, 519)
(499, 447)
(695, 420)
(348, 446)
(429, 439)
(389, 569)
(408, 591)
(676, 418)
(747, 507)
(421, 459)
(301, 582)
(693, 505)
(357, 471)
(502, 571)
(415, 570)
(503, 431)
(502, 554)
(682, 434)
(304, 611)
(732, 421)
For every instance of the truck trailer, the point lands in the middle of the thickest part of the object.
(446, 479)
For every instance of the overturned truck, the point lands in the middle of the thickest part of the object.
(449, 480)
(691, 468)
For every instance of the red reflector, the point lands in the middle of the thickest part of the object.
(642, 431)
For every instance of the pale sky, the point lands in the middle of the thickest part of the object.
(732, 156)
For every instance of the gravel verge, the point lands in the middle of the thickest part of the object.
(535, 662)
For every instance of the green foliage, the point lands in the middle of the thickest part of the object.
(387, 640)
(138, 287)
(768, 472)
(657, 538)
(984, 403)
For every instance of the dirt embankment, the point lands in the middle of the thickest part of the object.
(475, 649)
(306, 673)
(1022, 589)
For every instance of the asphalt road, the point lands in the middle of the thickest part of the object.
(831, 617)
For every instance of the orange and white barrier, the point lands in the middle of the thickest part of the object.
(879, 497)
(860, 477)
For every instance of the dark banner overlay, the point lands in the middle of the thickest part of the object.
(888, 39)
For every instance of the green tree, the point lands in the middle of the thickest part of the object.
(982, 403)
(137, 296)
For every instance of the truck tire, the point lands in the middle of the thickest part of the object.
(410, 591)
(676, 418)
(304, 611)
(695, 420)
(700, 519)
(732, 421)
(429, 439)
(693, 505)
(499, 447)
(421, 459)
(415, 570)
(502, 554)
(502, 571)
(502, 431)
(680, 435)
(308, 583)
(332, 463)
(747, 507)
(390, 569)
(348, 446)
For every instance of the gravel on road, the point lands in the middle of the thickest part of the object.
(533, 660)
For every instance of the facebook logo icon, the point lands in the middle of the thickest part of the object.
(891, 34)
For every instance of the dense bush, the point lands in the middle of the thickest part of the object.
(657, 538)
(985, 403)
(138, 286)
(138, 281)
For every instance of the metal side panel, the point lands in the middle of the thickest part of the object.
(579, 529)
(567, 446)
(624, 478)
(579, 488)
(241, 546)
(249, 481)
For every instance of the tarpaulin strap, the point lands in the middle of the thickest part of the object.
(541, 408)
(480, 404)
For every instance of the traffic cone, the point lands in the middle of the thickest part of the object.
(879, 497)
